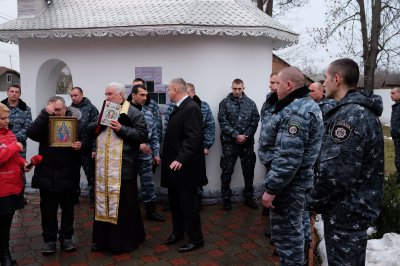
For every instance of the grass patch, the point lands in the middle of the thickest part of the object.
(389, 152)
(386, 131)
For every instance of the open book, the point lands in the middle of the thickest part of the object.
(109, 112)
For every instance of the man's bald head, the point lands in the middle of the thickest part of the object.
(289, 79)
(294, 75)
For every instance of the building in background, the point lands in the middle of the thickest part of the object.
(206, 42)
(8, 77)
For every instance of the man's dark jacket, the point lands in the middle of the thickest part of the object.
(133, 132)
(395, 121)
(183, 142)
(60, 167)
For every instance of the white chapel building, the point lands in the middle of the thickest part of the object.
(207, 42)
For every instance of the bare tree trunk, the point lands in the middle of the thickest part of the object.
(260, 4)
(370, 46)
(268, 9)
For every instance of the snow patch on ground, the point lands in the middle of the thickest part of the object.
(380, 252)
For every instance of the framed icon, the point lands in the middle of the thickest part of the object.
(109, 112)
(63, 131)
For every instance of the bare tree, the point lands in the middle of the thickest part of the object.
(368, 30)
(281, 5)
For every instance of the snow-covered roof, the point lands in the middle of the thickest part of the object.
(111, 18)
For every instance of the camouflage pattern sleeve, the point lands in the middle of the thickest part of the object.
(348, 136)
(290, 146)
(255, 117)
(94, 114)
(325, 105)
(209, 125)
(154, 140)
(166, 117)
(25, 120)
(158, 122)
(226, 127)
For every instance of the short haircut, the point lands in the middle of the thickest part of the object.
(347, 69)
(294, 75)
(237, 81)
(191, 87)
(14, 86)
(397, 89)
(118, 87)
(318, 84)
(135, 89)
(181, 84)
(77, 88)
(274, 73)
(53, 99)
(138, 80)
(4, 108)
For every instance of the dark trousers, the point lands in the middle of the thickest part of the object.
(345, 246)
(397, 158)
(287, 229)
(49, 203)
(88, 168)
(185, 213)
(230, 153)
(5, 226)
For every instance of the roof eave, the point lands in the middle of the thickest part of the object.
(280, 38)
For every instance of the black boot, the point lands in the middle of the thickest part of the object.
(265, 211)
(306, 253)
(268, 228)
(6, 259)
(92, 199)
(227, 206)
(249, 202)
(199, 200)
(151, 213)
(92, 202)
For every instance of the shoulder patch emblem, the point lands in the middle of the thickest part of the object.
(293, 128)
(341, 131)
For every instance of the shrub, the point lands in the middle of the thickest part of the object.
(389, 218)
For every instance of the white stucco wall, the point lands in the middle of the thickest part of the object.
(387, 105)
(211, 63)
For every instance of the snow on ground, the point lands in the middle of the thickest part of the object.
(380, 252)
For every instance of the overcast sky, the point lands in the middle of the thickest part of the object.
(8, 11)
(300, 20)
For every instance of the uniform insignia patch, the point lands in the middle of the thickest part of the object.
(293, 129)
(341, 131)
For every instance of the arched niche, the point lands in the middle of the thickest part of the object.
(48, 81)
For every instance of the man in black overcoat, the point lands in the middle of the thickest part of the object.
(183, 167)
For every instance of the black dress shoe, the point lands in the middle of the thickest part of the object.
(227, 206)
(67, 245)
(92, 202)
(49, 248)
(249, 202)
(265, 211)
(96, 248)
(190, 247)
(173, 238)
(6, 259)
(154, 216)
